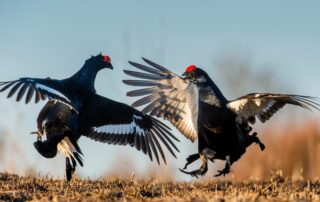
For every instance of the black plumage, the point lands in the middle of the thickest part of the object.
(89, 114)
(58, 124)
(197, 108)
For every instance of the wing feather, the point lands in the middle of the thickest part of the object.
(142, 75)
(147, 99)
(169, 96)
(141, 92)
(44, 88)
(155, 145)
(22, 91)
(151, 148)
(264, 105)
(117, 123)
(29, 94)
(146, 68)
(6, 85)
(14, 89)
(164, 142)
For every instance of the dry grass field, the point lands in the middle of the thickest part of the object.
(288, 169)
(15, 188)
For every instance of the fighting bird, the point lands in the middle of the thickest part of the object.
(198, 109)
(88, 114)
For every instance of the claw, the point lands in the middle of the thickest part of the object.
(194, 173)
(185, 166)
(226, 168)
(202, 170)
(191, 159)
(222, 172)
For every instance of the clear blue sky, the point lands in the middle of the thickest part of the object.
(53, 38)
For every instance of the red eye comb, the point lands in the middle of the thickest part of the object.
(190, 68)
(106, 59)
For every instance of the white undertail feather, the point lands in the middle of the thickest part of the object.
(66, 148)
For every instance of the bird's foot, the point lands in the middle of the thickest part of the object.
(222, 172)
(202, 170)
(196, 173)
(226, 168)
(191, 159)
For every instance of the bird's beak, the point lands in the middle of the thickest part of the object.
(110, 66)
(186, 76)
(39, 138)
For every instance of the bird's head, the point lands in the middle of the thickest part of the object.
(195, 74)
(46, 149)
(100, 62)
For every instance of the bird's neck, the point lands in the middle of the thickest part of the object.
(211, 94)
(86, 76)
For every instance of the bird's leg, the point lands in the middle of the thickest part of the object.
(226, 169)
(192, 158)
(209, 154)
(202, 170)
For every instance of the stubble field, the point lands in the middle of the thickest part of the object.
(15, 188)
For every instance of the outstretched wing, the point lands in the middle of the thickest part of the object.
(264, 105)
(112, 122)
(39, 88)
(167, 96)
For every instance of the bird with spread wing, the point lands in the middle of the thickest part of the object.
(197, 108)
(75, 109)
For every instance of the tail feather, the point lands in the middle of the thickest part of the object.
(71, 150)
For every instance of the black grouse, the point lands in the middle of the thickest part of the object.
(92, 115)
(198, 109)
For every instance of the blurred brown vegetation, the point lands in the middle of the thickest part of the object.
(291, 148)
